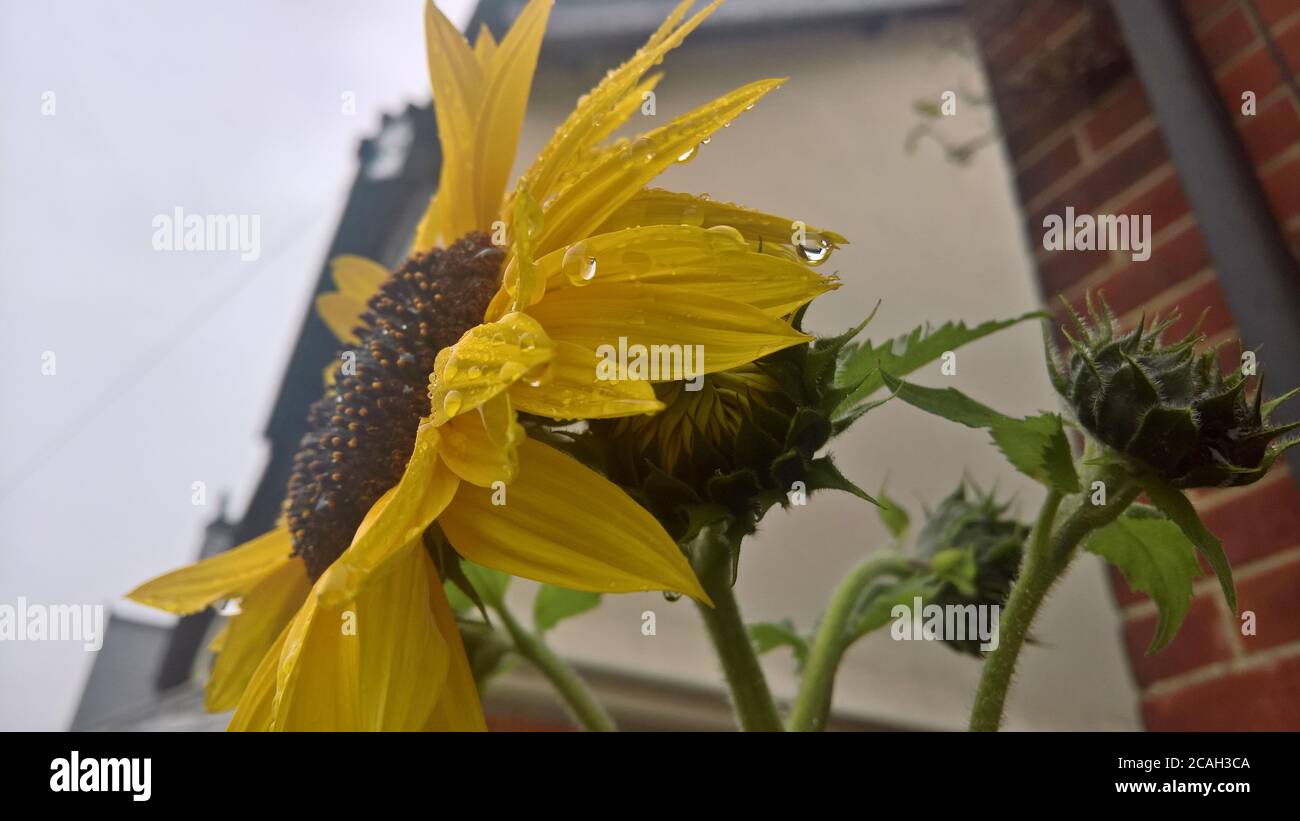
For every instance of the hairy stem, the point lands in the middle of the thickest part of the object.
(750, 696)
(812, 706)
(588, 713)
(1053, 546)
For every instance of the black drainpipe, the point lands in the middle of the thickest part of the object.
(1257, 272)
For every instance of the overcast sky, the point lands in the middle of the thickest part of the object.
(165, 363)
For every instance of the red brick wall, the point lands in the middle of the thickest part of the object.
(1079, 132)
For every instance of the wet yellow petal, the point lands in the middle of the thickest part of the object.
(573, 390)
(486, 361)
(583, 128)
(520, 279)
(264, 612)
(484, 47)
(254, 712)
(341, 314)
(379, 664)
(394, 522)
(232, 573)
(504, 100)
(730, 333)
(458, 708)
(564, 524)
(655, 206)
(706, 262)
(479, 455)
(581, 208)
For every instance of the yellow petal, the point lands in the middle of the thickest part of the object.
(581, 208)
(655, 206)
(254, 712)
(583, 128)
(479, 455)
(564, 524)
(504, 100)
(458, 86)
(730, 333)
(486, 361)
(357, 278)
(264, 612)
(379, 664)
(232, 573)
(705, 262)
(394, 522)
(484, 47)
(574, 392)
(458, 708)
(520, 279)
(341, 314)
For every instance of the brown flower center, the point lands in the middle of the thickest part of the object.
(363, 429)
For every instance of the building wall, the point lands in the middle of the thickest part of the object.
(935, 241)
(1079, 132)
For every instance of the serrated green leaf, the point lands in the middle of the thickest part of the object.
(1171, 501)
(555, 604)
(767, 636)
(1157, 558)
(892, 515)
(862, 366)
(823, 474)
(949, 403)
(1037, 447)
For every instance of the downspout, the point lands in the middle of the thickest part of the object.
(1257, 272)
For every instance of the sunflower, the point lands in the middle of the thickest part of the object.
(499, 309)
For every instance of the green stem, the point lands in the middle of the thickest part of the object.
(812, 706)
(589, 714)
(1053, 546)
(751, 698)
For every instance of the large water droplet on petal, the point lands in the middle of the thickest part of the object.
(688, 155)
(527, 341)
(578, 265)
(451, 403)
(814, 253)
(729, 240)
(450, 370)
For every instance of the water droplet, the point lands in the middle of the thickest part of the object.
(729, 239)
(474, 372)
(578, 265)
(498, 338)
(692, 215)
(510, 371)
(706, 141)
(814, 253)
(527, 341)
(537, 375)
(450, 370)
(452, 402)
(688, 155)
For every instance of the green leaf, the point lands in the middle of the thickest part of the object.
(555, 604)
(862, 365)
(767, 636)
(892, 516)
(490, 584)
(823, 474)
(1171, 501)
(459, 601)
(1156, 558)
(1036, 446)
(875, 605)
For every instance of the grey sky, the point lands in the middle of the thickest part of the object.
(167, 363)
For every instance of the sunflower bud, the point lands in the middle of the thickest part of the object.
(1166, 408)
(973, 551)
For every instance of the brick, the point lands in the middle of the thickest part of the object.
(1062, 269)
(1258, 73)
(1260, 699)
(1226, 38)
(1138, 283)
(1271, 595)
(1202, 639)
(1209, 296)
(1049, 168)
(1125, 108)
(1024, 37)
(1271, 131)
(1198, 10)
(1282, 186)
(1126, 168)
(1032, 119)
(1275, 11)
(1288, 42)
(1264, 518)
(1165, 202)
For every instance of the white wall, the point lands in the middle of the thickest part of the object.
(934, 241)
